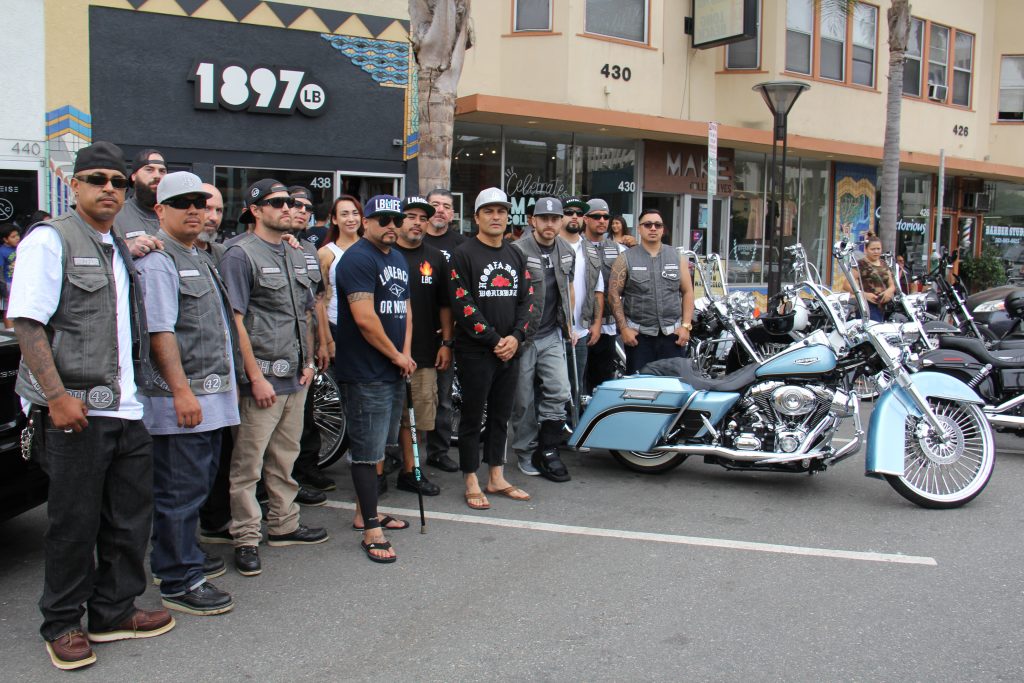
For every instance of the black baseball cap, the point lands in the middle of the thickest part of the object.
(145, 158)
(256, 192)
(100, 154)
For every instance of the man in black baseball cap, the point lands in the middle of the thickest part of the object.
(138, 218)
(304, 217)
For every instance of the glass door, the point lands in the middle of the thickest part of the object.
(695, 225)
(670, 207)
(363, 186)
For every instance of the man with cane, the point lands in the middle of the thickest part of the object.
(543, 387)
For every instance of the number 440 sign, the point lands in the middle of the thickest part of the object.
(261, 90)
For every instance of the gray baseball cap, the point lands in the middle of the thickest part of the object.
(180, 183)
(597, 205)
(547, 206)
(491, 195)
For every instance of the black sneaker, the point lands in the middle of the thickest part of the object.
(443, 463)
(382, 485)
(550, 465)
(304, 535)
(247, 560)
(222, 537)
(203, 600)
(213, 566)
(407, 482)
(310, 497)
(316, 480)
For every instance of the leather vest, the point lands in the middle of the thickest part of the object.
(203, 308)
(83, 329)
(564, 259)
(651, 298)
(594, 266)
(132, 221)
(608, 250)
(276, 316)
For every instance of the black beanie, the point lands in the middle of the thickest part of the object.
(100, 155)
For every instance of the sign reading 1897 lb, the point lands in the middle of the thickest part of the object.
(261, 89)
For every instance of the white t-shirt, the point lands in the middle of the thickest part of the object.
(35, 294)
(611, 329)
(332, 278)
(579, 286)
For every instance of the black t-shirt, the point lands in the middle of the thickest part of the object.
(314, 236)
(549, 314)
(429, 287)
(490, 294)
(446, 243)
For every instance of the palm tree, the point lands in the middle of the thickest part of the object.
(440, 34)
(898, 18)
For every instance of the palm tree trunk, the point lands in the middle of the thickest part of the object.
(899, 32)
(440, 34)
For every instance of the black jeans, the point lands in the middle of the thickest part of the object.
(100, 512)
(440, 440)
(651, 348)
(486, 381)
(215, 515)
(600, 362)
(309, 443)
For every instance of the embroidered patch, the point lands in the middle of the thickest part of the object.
(188, 273)
(134, 234)
(86, 261)
(268, 270)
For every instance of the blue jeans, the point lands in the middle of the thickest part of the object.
(100, 511)
(184, 469)
(372, 410)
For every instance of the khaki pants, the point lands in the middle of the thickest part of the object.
(267, 442)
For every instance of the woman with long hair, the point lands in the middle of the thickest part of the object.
(875, 278)
(343, 225)
(619, 232)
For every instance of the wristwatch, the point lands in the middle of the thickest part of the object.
(448, 343)
(309, 366)
(687, 326)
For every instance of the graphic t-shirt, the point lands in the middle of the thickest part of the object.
(491, 295)
(7, 255)
(368, 269)
(446, 243)
(429, 295)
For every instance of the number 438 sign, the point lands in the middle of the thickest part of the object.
(261, 90)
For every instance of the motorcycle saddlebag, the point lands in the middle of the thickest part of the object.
(631, 414)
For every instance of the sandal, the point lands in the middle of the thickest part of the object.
(384, 521)
(477, 501)
(508, 492)
(385, 545)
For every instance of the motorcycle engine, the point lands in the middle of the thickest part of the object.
(777, 417)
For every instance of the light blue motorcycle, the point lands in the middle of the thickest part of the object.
(928, 436)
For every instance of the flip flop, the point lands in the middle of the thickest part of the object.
(508, 491)
(384, 521)
(367, 547)
(477, 501)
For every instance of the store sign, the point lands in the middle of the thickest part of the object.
(683, 169)
(525, 189)
(911, 226)
(260, 90)
(718, 22)
(1004, 234)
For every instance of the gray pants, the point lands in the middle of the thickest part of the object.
(440, 440)
(541, 393)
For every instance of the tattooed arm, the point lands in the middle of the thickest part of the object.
(66, 411)
(616, 283)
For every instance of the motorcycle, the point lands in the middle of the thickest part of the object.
(928, 437)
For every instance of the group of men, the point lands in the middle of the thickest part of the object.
(167, 376)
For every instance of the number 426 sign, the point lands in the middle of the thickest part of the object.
(261, 90)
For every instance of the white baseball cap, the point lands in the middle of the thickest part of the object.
(176, 184)
(491, 195)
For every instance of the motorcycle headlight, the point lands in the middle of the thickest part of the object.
(990, 307)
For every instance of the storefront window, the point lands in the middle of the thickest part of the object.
(607, 171)
(745, 257)
(233, 183)
(814, 194)
(537, 164)
(476, 164)
(912, 225)
(1004, 225)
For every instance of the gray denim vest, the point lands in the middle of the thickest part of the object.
(83, 329)
(200, 330)
(276, 316)
(608, 250)
(594, 266)
(651, 298)
(564, 259)
(132, 221)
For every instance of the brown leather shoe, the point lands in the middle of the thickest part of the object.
(141, 624)
(70, 651)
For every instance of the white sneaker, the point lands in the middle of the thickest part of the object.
(526, 467)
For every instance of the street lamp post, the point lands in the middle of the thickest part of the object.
(780, 97)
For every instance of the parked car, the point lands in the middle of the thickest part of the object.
(23, 484)
(987, 308)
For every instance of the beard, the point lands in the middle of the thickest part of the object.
(207, 236)
(573, 229)
(145, 196)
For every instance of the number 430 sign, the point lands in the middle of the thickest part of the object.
(261, 90)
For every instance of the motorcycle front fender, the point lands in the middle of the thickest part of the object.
(887, 429)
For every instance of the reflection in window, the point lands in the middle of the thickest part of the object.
(938, 59)
(626, 19)
(833, 39)
(963, 62)
(912, 65)
(537, 164)
(864, 33)
(532, 15)
(745, 54)
(233, 183)
(799, 34)
(607, 172)
(1011, 89)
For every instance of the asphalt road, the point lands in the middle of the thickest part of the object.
(550, 590)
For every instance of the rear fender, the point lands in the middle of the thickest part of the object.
(887, 429)
(631, 413)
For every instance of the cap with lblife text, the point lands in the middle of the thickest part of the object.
(491, 195)
(418, 203)
(383, 204)
(547, 206)
(180, 183)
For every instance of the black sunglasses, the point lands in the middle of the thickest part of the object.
(278, 202)
(386, 220)
(305, 206)
(119, 182)
(572, 212)
(598, 216)
(184, 203)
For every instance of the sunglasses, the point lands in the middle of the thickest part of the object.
(305, 206)
(184, 203)
(386, 220)
(99, 180)
(572, 212)
(651, 224)
(598, 216)
(278, 202)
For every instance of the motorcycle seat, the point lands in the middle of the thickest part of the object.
(1008, 359)
(684, 370)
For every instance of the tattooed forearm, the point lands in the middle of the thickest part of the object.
(615, 286)
(359, 296)
(38, 356)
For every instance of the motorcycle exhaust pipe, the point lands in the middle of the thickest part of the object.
(1012, 421)
(1003, 407)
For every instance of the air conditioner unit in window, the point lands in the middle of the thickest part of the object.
(937, 92)
(977, 201)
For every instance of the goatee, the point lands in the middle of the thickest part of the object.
(145, 196)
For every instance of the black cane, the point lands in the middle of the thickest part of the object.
(415, 454)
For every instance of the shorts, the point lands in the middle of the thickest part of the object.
(424, 400)
(371, 417)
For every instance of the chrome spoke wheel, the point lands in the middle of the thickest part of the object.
(328, 417)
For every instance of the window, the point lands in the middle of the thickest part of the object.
(938, 60)
(625, 19)
(1011, 89)
(912, 65)
(845, 37)
(799, 35)
(532, 15)
(963, 62)
(746, 54)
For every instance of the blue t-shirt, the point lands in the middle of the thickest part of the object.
(367, 269)
(7, 255)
